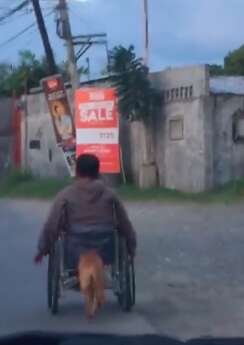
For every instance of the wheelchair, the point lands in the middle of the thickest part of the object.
(119, 267)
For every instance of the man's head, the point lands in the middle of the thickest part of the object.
(87, 166)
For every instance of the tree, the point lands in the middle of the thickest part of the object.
(27, 73)
(137, 101)
(5, 72)
(233, 64)
(63, 69)
(216, 70)
(136, 97)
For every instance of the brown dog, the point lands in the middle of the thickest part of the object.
(91, 279)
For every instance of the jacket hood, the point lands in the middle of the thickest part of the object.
(92, 190)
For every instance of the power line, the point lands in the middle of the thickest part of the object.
(11, 19)
(20, 33)
(30, 36)
(11, 15)
(12, 11)
(17, 35)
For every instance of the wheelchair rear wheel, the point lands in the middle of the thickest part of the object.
(53, 281)
(49, 281)
(126, 296)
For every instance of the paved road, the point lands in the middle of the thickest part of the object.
(190, 273)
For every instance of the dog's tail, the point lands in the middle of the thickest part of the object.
(92, 286)
(91, 302)
(94, 298)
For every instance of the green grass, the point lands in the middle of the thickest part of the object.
(23, 185)
(230, 193)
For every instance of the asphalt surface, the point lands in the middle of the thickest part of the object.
(189, 269)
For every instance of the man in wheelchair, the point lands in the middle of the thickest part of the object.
(86, 207)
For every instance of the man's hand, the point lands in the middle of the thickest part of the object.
(38, 259)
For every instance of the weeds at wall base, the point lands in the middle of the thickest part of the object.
(20, 184)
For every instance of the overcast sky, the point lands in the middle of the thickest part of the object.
(181, 31)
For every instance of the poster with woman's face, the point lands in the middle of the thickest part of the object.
(62, 121)
(62, 118)
(59, 110)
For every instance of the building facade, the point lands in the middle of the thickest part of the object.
(197, 148)
(198, 132)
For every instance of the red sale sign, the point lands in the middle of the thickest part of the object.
(97, 131)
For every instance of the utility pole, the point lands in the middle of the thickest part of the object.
(52, 69)
(146, 33)
(64, 32)
(88, 68)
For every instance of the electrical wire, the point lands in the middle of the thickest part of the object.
(20, 33)
(30, 36)
(11, 39)
(13, 14)
(14, 10)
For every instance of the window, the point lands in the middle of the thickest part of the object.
(176, 129)
(186, 93)
(167, 95)
(238, 126)
(35, 145)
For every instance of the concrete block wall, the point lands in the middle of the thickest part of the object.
(46, 161)
(185, 159)
(182, 163)
(228, 156)
(172, 78)
(136, 152)
(5, 134)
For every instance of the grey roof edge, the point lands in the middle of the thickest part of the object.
(232, 85)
